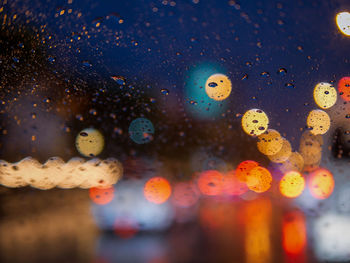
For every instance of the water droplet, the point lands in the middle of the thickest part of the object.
(33, 115)
(282, 71)
(84, 134)
(212, 84)
(245, 77)
(79, 117)
(117, 130)
(86, 63)
(115, 17)
(164, 91)
(265, 74)
(97, 21)
(51, 59)
(289, 85)
(66, 128)
(93, 112)
(119, 79)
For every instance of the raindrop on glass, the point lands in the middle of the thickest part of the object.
(289, 85)
(164, 91)
(86, 63)
(119, 79)
(265, 74)
(245, 77)
(282, 71)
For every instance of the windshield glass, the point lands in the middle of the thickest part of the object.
(174, 131)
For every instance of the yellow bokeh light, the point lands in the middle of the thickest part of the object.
(325, 95)
(307, 136)
(318, 121)
(270, 142)
(343, 22)
(89, 142)
(259, 179)
(311, 149)
(56, 173)
(292, 184)
(283, 154)
(321, 183)
(218, 87)
(295, 162)
(255, 122)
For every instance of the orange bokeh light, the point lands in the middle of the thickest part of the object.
(101, 196)
(233, 186)
(292, 184)
(244, 168)
(321, 183)
(344, 88)
(210, 182)
(185, 194)
(259, 179)
(294, 233)
(157, 190)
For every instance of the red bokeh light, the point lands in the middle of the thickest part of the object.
(101, 196)
(344, 88)
(210, 182)
(125, 228)
(294, 236)
(185, 194)
(321, 183)
(244, 168)
(233, 186)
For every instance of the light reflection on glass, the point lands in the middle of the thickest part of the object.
(331, 234)
(257, 216)
(294, 237)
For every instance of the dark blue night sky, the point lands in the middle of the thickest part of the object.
(157, 44)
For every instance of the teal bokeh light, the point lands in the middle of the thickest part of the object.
(141, 130)
(200, 105)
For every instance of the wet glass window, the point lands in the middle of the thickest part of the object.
(174, 131)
